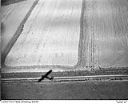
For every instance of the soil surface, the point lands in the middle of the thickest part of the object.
(87, 33)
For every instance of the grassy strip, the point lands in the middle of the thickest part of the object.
(120, 71)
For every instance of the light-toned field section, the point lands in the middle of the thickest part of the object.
(105, 33)
(12, 15)
(50, 35)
